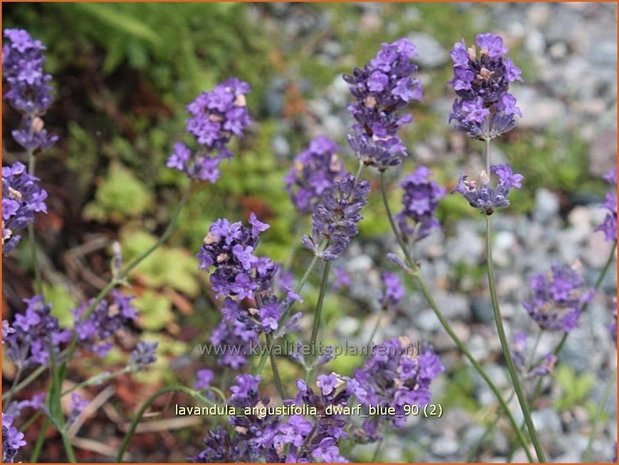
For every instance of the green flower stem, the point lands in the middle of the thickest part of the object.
(321, 299)
(598, 414)
(278, 380)
(68, 447)
(522, 400)
(38, 281)
(146, 406)
(24, 383)
(9, 395)
(431, 302)
(38, 445)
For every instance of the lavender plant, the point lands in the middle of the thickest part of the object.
(257, 300)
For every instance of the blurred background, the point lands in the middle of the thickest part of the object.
(123, 75)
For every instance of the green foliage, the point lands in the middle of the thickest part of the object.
(155, 311)
(575, 388)
(459, 391)
(170, 267)
(120, 196)
(62, 303)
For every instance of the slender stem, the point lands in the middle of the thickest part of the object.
(428, 296)
(377, 450)
(375, 329)
(38, 281)
(20, 370)
(320, 303)
(146, 406)
(487, 150)
(430, 299)
(299, 288)
(598, 414)
(278, 381)
(38, 445)
(522, 400)
(68, 447)
(25, 382)
(394, 227)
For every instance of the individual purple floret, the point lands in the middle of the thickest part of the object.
(556, 303)
(22, 198)
(12, 440)
(229, 248)
(381, 88)
(215, 117)
(419, 203)
(34, 333)
(29, 90)
(393, 291)
(609, 226)
(485, 109)
(313, 170)
(486, 198)
(520, 356)
(336, 216)
(96, 329)
(15, 408)
(145, 353)
(393, 376)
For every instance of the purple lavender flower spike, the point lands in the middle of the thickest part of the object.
(215, 118)
(381, 88)
(12, 440)
(341, 278)
(234, 340)
(144, 354)
(229, 249)
(34, 333)
(394, 375)
(419, 204)
(556, 303)
(609, 226)
(313, 170)
(95, 331)
(22, 198)
(393, 291)
(29, 90)
(484, 108)
(485, 197)
(336, 216)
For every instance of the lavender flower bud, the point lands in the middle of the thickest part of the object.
(336, 216)
(144, 354)
(419, 204)
(486, 198)
(393, 291)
